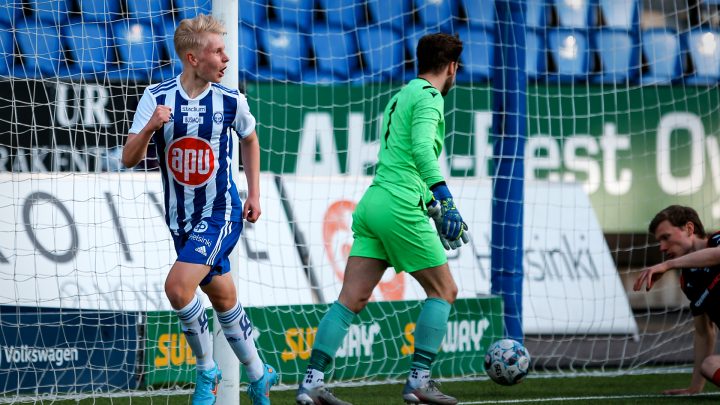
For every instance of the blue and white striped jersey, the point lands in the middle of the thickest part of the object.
(195, 150)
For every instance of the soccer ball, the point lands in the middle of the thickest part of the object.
(507, 362)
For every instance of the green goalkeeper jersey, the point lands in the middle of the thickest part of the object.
(411, 141)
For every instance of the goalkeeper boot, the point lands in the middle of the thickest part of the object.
(259, 391)
(206, 386)
(317, 396)
(428, 393)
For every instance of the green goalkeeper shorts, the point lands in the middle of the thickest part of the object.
(388, 228)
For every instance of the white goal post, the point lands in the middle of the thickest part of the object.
(229, 390)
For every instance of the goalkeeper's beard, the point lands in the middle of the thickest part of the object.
(449, 82)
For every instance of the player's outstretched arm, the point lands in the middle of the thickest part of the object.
(650, 275)
(700, 258)
(250, 152)
(136, 144)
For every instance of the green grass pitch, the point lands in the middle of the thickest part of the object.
(623, 389)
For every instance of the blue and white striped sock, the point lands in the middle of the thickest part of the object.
(195, 326)
(238, 332)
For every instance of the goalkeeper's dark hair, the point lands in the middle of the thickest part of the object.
(436, 51)
(678, 216)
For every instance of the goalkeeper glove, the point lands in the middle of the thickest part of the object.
(434, 211)
(453, 225)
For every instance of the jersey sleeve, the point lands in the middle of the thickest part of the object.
(425, 150)
(714, 240)
(244, 120)
(695, 311)
(143, 113)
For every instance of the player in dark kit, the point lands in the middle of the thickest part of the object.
(685, 244)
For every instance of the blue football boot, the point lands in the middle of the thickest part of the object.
(259, 391)
(206, 386)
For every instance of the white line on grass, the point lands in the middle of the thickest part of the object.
(589, 398)
(165, 392)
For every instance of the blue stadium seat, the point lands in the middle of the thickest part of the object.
(397, 14)
(383, 54)
(144, 11)
(100, 10)
(704, 50)
(49, 11)
(89, 46)
(575, 13)
(411, 38)
(480, 16)
(536, 13)
(254, 13)
(535, 55)
(477, 56)
(570, 52)
(166, 29)
(138, 52)
(662, 52)
(437, 14)
(191, 8)
(348, 14)
(286, 51)
(170, 64)
(10, 10)
(42, 51)
(247, 53)
(619, 56)
(621, 14)
(336, 53)
(7, 52)
(294, 14)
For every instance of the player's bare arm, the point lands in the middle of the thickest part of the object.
(250, 153)
(136, 144)
(699, 258)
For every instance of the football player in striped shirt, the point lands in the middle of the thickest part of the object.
(190, 118)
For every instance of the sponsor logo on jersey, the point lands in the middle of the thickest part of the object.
(200, 239)
(192, 120)
(218, 117)
(201, 249)
(201, 227)
(192, 108)
(191, 161)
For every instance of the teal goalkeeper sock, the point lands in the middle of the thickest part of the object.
(330, 334)
(430, 330)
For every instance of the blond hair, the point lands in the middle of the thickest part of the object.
(188, 33)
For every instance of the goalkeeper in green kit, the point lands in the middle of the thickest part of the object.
(391, 227)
